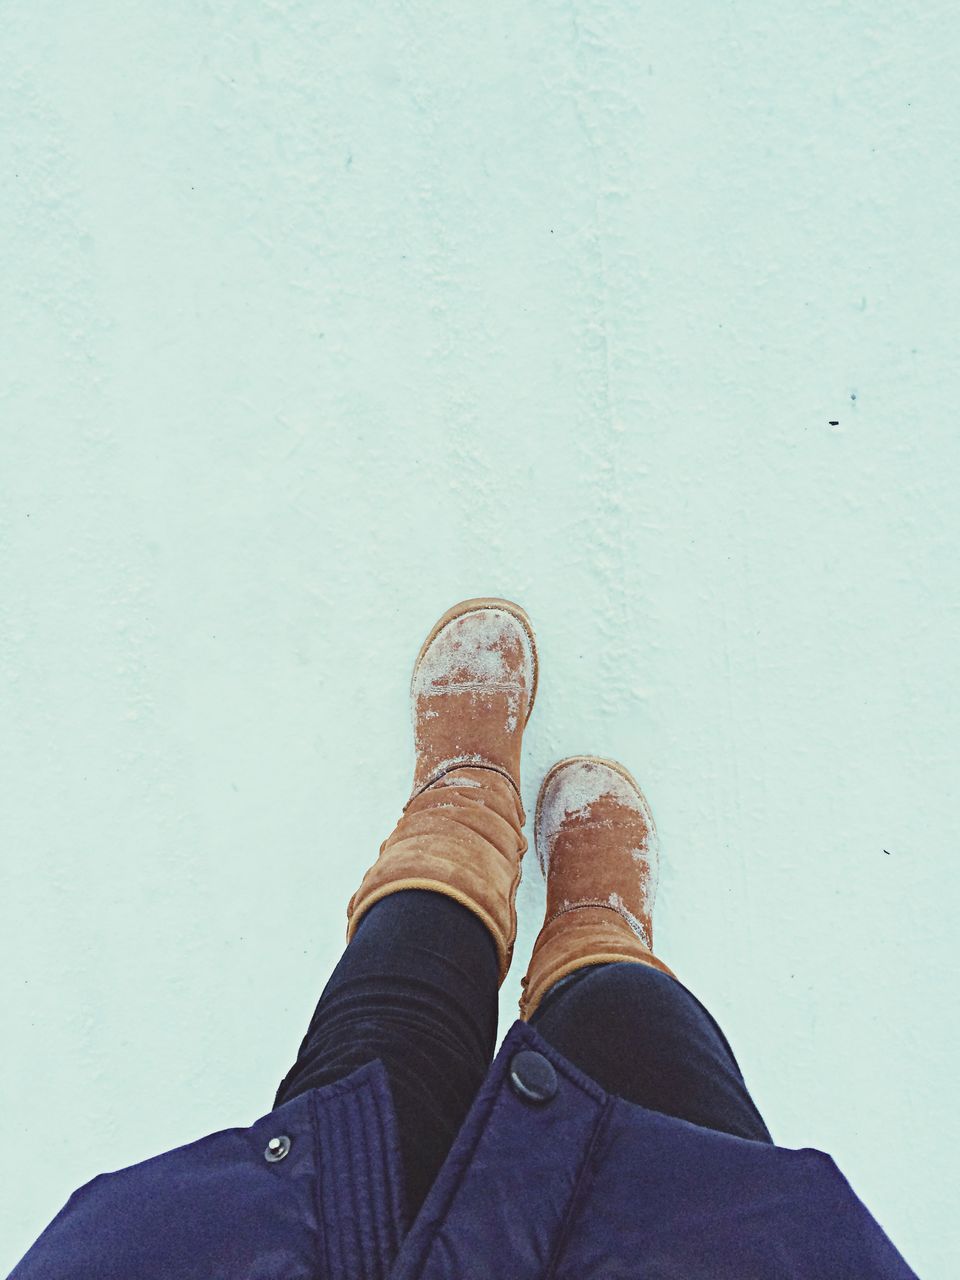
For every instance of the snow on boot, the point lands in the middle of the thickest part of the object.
(473, 688)
(598, 850)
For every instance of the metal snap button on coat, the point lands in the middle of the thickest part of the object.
(277, 1148)
(532, 1076)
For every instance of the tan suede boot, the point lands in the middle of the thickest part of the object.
(473, 688)
(598, 850)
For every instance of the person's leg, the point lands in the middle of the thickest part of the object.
(417, 987)
(643, 1036)
(432, 924)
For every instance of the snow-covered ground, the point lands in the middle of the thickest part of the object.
(319, 318)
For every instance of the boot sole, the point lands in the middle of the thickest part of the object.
(474, 606)
(615, 765)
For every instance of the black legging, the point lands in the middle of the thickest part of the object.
(417, 988)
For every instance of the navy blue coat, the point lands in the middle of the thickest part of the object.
(580, 1186)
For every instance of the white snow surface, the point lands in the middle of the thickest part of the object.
(314, 327)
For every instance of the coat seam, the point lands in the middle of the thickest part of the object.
(578, 1191)
(381, 1231)
(318, 1185)
(359, 1164)
(392, 1190)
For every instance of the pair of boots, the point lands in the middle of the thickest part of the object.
(461, 832)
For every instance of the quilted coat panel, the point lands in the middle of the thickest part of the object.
(576, 1184)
